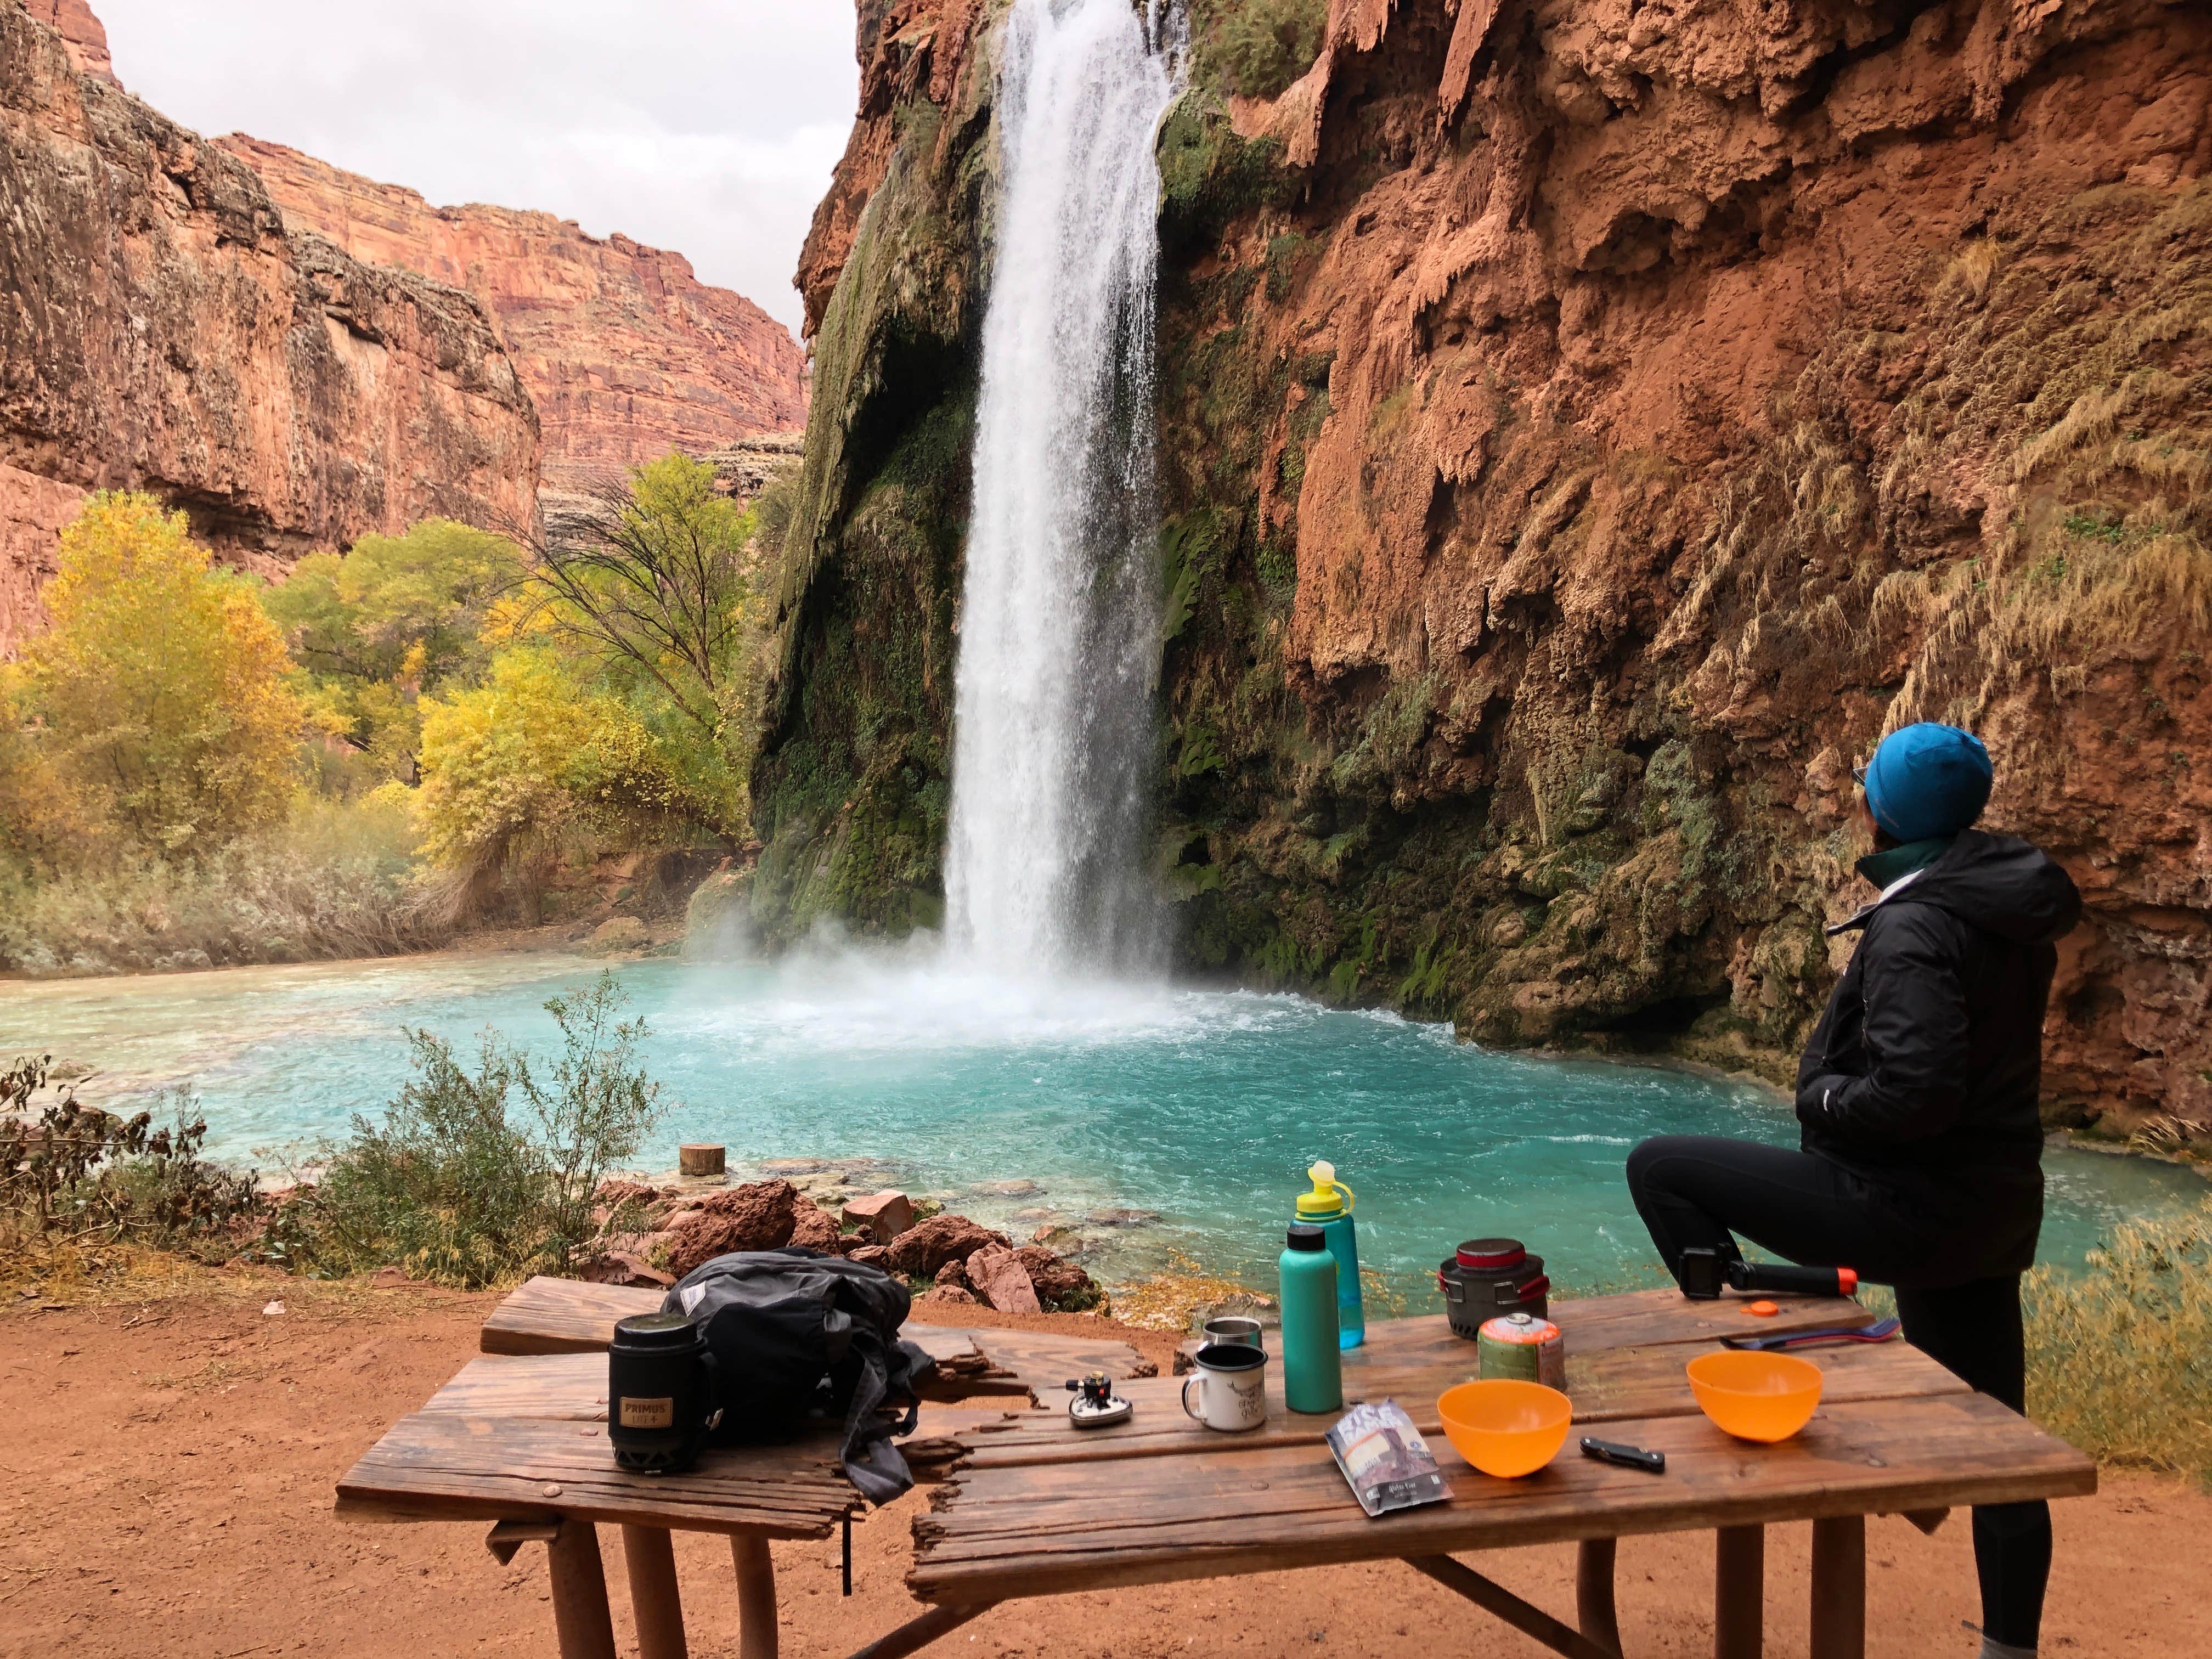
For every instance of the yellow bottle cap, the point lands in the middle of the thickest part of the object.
(1329, 1195)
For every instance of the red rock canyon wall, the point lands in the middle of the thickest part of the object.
(164, 331)
(626, 352)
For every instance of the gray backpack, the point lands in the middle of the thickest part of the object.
(799, 1339)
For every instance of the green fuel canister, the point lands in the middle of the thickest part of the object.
(1522, 1347)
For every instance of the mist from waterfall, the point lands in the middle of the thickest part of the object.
(1053, 730)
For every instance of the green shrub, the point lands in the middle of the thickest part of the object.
(1258, 47)
(477, 1178)
(393, 620)
(76, 1175)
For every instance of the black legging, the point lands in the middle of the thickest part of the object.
(1698, 1191)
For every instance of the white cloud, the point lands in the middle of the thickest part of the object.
(707, 126)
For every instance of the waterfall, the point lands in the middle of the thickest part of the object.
(1053, 733)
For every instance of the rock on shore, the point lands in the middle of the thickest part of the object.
(683, 1229)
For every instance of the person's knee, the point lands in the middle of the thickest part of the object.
(1646, 1160)
(1639, 1162)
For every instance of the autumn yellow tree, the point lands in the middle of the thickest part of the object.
(159, 699)
(532, 753)
(393, 619)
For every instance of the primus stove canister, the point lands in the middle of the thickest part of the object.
(1487, 1277)
(660, 1405)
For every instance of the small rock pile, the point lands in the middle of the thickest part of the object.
(960, 1259)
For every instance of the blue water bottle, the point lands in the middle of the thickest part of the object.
(1329, 1206)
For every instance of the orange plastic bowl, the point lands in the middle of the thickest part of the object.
(1505, 1427)
(1755, 1396)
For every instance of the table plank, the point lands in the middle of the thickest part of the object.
(1044, 1361)
(445, 1465)
(573, 1388)
(1640, 1319)
(547, 1315)
(561, 1316)
(1042, 1529)
(564, 1385)
(1606, 1387)
(1637, 1319)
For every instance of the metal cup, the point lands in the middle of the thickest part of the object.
(1232, 1384)
(1234, 1332)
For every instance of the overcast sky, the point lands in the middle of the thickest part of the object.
(708, 126)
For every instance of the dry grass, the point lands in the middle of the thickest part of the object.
(2081, 584)
(2120, 1354)
(59, 1273)
(2034, 504)
(338, 881)
(2119, 1348)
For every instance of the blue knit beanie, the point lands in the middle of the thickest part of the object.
(1927, 779)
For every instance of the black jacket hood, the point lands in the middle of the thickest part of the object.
(2001, 884)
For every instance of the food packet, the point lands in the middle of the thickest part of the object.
(1384, 1458)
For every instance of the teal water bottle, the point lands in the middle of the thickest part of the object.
(1313, 1366)
(1329, 1206)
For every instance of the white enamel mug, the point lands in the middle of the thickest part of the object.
(1234, 1330)
(1232, 1384)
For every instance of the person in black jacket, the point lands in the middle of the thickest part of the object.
(1921, 1159)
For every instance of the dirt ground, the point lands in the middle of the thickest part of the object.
(169, 1465)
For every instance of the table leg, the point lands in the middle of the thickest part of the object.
(1739, 1592)
(1839, 1587)
(1497, 1599)
(654, 1597)
(920, 1631)
(757, 1636)
(1594, 1607)
(581, 1619)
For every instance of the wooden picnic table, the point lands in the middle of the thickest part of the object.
(519, 1438)
(1041, 1508)
(1033, 1506)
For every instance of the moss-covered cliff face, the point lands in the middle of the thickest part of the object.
(852, 789)
(1584, 431)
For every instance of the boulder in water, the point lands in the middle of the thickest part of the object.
(618, 936)
(717, 921)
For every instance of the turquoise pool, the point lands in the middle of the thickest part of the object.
(1199, 1106)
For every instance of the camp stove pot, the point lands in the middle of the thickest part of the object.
(660, 1403)
(1487, 1277)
